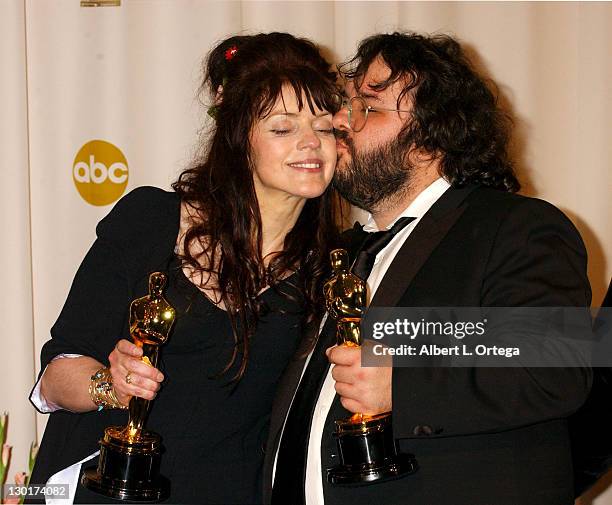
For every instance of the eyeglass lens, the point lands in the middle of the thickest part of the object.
(358, 113)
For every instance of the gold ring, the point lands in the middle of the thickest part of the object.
(128, 378)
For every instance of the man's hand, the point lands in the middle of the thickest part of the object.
(365, 390)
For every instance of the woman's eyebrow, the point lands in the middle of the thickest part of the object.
(282, 113)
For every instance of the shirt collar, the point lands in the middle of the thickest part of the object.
(419, 206)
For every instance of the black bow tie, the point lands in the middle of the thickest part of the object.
(373, 244)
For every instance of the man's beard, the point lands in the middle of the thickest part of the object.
(370, 178)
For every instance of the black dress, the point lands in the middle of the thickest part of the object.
(213, 430)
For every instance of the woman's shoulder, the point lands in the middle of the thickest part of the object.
(141, 215)
(147, 199)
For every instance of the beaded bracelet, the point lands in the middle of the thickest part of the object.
(101, 390)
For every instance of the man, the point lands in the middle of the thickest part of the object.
(421, 136)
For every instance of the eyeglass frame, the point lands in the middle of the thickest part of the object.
(347, 102)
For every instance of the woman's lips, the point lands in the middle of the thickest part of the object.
(309, 165)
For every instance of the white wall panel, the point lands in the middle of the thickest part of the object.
(129, 75)
(16, 337)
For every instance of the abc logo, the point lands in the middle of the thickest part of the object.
(100, 172)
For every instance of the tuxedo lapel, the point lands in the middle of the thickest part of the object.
(287, 385)
(289, 381)
(419, 245)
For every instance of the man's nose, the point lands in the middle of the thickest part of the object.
(340, 120)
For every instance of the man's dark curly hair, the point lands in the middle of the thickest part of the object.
(455, 114)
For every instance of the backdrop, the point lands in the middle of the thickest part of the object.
(99, 100)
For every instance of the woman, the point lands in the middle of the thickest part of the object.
(244, 241)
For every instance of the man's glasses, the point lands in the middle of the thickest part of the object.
(358, 111)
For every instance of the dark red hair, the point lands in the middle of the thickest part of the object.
(220, 187)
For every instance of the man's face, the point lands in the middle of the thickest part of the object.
(372, 164)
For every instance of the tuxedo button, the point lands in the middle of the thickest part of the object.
(422, 430)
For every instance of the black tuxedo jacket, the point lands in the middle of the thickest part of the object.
(482, 436)
(590, 426)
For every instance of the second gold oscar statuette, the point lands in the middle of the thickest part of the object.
(367, 449)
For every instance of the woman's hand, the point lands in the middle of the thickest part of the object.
(144, 380)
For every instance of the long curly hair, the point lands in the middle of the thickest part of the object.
(244, 75)
(455, 114)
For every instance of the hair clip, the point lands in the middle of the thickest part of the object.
(230, 53)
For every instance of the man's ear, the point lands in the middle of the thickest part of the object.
(428, 164)
(419, 157)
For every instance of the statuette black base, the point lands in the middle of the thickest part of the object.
(396, 468)
(128, 470)
(368, 453)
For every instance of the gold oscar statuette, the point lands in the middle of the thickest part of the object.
(128, 468)
(366, 446)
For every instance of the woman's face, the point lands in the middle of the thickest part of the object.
(293, 151)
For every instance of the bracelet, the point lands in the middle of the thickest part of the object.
(101, 390)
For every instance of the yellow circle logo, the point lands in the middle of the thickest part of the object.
(100, 172)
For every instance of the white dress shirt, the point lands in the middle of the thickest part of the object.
(419, 206)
